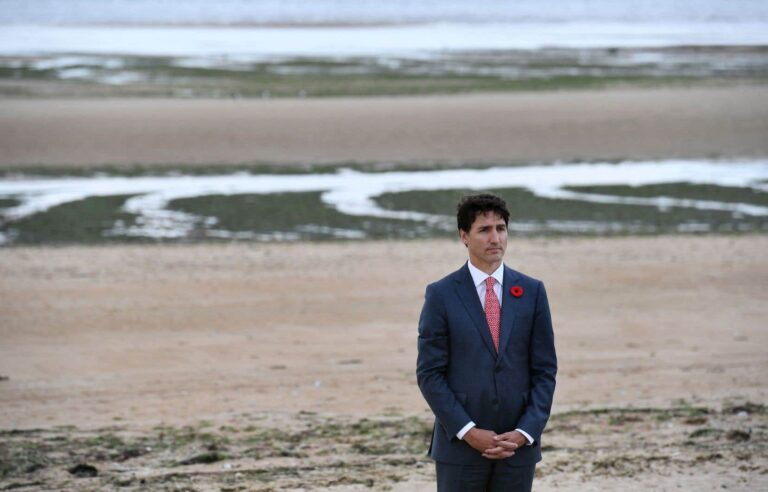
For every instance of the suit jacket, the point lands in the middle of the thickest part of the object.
(463, 378)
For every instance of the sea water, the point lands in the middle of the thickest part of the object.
(353, 193)
(366, 27)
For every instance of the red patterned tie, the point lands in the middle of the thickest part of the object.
(492, 311)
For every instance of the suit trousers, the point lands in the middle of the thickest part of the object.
(493, 476)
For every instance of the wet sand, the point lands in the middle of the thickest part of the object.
(534, 126)
(239, 335)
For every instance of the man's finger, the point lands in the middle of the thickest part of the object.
(499, 456)
(499, 450)
(496, 450)
(506, 445)
(505, 436)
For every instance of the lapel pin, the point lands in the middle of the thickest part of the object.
(516, 291)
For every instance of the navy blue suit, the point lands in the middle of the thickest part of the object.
(462, 377)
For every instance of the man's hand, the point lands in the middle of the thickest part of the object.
(480, 439)
(505, 445)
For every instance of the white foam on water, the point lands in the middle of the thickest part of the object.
(120, 78)
(353, 193)
(68, 61)
(76, 73)
(337, 232)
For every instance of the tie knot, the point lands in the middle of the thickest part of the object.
(489, 282)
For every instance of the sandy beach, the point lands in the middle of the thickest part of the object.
(218, 220)
(632, 123)
(133, 337)
(253, 366)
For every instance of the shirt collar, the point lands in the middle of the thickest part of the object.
(479, 276)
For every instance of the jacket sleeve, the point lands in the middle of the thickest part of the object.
(543, 369)
(432, 365)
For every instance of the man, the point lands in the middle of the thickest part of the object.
(486, 362)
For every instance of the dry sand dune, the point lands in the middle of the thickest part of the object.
(600, 124)
(138, 336)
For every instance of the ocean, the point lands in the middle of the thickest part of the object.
(232, 12)
(369, 28)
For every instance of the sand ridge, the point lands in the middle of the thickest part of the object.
(627, 123)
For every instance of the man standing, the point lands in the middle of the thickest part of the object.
(486, 362)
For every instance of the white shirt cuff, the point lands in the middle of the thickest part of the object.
(465, 429)
(527, 436)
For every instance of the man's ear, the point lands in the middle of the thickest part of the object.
(463, 236)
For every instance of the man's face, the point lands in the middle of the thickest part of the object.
(486, 240)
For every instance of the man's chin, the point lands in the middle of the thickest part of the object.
(494, 257)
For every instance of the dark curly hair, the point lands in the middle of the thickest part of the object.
(470, 206)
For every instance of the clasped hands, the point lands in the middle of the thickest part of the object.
(494, 446)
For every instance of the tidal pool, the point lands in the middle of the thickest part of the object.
(624, 197)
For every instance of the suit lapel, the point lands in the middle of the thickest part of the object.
(507, 308)
(468, 295)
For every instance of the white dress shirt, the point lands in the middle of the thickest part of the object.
(479, 277)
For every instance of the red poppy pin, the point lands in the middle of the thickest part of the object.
(516, 291)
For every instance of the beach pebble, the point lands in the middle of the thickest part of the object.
(738, 435)
(83, 470)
